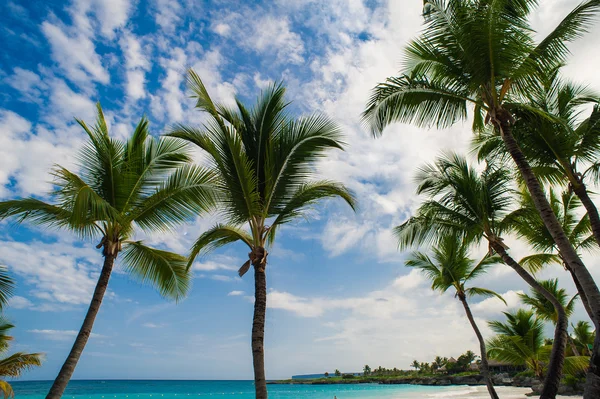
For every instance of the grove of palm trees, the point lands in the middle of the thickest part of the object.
(251, 169)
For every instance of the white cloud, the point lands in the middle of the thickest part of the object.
(60, 272)
(136, 64)
(273, 34)
(218, 262)
(153, 325)
(29, 83)
(76, 54)
(168, 14)
(19, 302)
(236, 293)
(222, 29)
(61, 335)
(26, 156)
(493, 306)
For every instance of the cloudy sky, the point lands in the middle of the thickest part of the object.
(339, 294)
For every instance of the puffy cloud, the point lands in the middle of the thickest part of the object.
(60, 272)
(236, 293)
(76, 54)
(19, 302)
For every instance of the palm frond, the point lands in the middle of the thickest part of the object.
(417, 100)
(166, 271)
(484, 292)
(216, 237)
(187, 192)
(7, 286)
(15, 364)
(308, 194)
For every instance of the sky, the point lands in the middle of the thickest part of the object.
(339, 295)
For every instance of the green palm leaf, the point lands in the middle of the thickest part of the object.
(164, 270)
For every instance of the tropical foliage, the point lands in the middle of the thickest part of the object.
(263, 162)
(142, 183)
(15, 364)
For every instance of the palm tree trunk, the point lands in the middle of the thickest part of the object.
(582, 296)
(258, 330)
(573, 347)
(581, 191)
(65, 373)
(485, 370)
(588, 285)
(557, 356)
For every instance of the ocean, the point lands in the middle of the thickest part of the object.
(154, 389)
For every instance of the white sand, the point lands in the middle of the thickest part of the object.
(480, 392)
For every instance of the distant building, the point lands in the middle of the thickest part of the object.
(496, 366)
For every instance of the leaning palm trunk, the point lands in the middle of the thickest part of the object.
(258, 328)
(484, 362)
(588, 285)
(557, 356)
(582, 296)
(66, 371)
(580, 190)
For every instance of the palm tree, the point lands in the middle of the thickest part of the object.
(263, 159)
(366, 370)
(337, 373)
(14, 365)
(563, 150)
(415, 364)
(545, 311)
(529, 226)
(476, 205)
(482, 54)
(450, 267)
(143, 182)
(519, 341)
(583, 336)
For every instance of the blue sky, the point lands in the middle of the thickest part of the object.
(339, 296)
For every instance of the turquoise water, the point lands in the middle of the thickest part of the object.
(122, 389)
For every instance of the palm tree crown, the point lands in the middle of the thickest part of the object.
(543, 308)
(263, 161)
(451, 267)
(144, 182)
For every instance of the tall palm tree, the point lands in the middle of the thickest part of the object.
(476, 204)
(13, 365)
(482, 54)
(451, 267)
(143, 182)
(561, 150)
(263, 160)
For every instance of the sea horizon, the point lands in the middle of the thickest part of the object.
(244, 389)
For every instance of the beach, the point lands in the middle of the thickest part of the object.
(136, 389)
